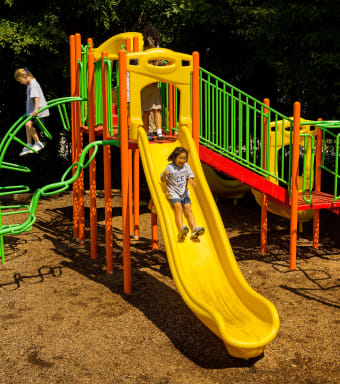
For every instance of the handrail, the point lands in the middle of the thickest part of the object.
(231, 124)
(336, 138)
(15, 128)
(310, 173)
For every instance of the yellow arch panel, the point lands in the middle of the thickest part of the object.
(114, 44)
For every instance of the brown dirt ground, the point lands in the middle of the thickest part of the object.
(64, 320)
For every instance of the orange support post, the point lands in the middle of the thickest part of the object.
(196, 98)
(107, 172)
(136, 192)
(264, 205)
(130, 191)
(124, 171)
(318, 159)
(90, 42)
(154, 228)
(92, 167)
(136, 171)
(294, 185)
(79, 146)
(73, 75)
(135, 44)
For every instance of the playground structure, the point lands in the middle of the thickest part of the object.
(219, 125)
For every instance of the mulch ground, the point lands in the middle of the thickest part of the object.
(64, 320)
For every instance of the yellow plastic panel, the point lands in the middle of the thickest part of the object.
(205, 270)
(142, 72)
(114, 44)
(277, 141)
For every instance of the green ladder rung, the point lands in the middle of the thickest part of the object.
(64, 117)
(10, 190)
(43, 128)
(13, 207)
(14, 229)
(20, 141)
(14, 167)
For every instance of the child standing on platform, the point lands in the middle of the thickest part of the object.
(150, 95)
(35, 100)
(177, 175)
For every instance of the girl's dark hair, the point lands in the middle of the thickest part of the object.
(150, 36)
(176, 152)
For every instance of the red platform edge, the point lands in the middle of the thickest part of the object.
(230, 168)
(277, 194)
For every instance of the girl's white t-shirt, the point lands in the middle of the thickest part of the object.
(34, 90)
(177, 181)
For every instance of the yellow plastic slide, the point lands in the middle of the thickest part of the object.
(205, 270)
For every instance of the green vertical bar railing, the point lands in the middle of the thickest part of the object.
(230, 124)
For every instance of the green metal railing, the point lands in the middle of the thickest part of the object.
(235, 125)
(331, 142)
(239, 127)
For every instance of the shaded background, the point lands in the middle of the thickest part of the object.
(283, 50)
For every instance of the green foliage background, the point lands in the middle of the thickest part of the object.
(281, 49)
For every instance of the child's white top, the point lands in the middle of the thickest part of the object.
(34, 90)
(177, 181)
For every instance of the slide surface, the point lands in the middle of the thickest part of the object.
(205, 271)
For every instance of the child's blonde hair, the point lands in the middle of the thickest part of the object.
(21, 72)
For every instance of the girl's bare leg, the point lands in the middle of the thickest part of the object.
(189, 215)
(178, 215)
(158, 118)
(31, 133)
(145, 119)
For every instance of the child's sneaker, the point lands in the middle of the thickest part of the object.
(196, 232)
(149, 135)
(26, 151)
(183, 232)
(38, 146)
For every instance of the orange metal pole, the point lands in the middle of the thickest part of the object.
(90, 41)
(264, 205)
(73, 75)
(128, 48)
(294, 185)
(92, 167)
(107, 173)
(124, 170)
(135, 44)
(196, 98)
(130, 191)
(318, 160)
(136, 192)
(136, 171)
(80, 181)
(154, 228)
(128, 44)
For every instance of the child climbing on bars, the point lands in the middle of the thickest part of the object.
(177, 175)
(35, 100)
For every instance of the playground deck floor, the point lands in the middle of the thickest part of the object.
(64, 320)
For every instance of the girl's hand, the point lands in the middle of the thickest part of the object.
(191, 182)
(165, 175)
(34, 113)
